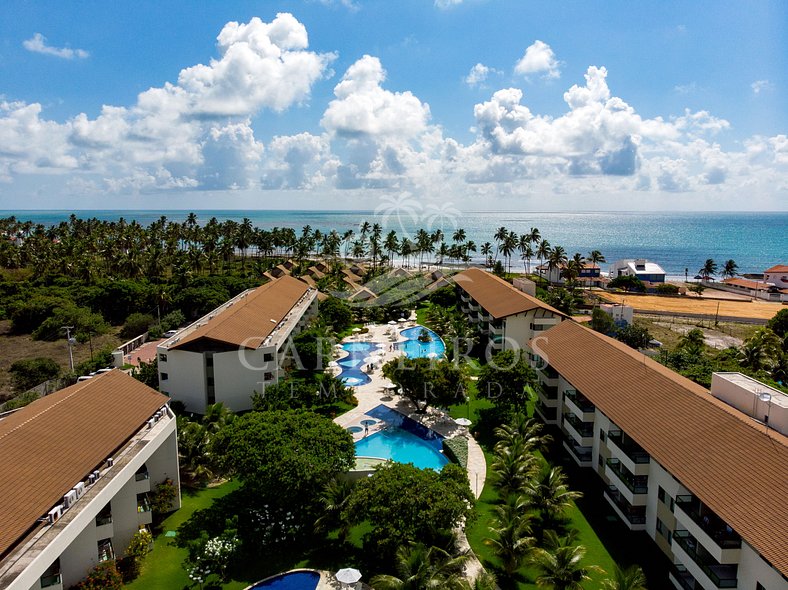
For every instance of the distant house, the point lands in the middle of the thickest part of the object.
(777, 276)
(589, 274)
(752, 288)
(508, 317)
(648, 272)
(79, 466)
(622, 314)
(237, 349)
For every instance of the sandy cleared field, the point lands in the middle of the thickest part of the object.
(762, 310)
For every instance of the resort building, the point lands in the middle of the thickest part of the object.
(589, 274)
(78, 467)
(506, 316)
(759, 289)
(648, 272)
(777, 275)
(239, 348)
(705, 480)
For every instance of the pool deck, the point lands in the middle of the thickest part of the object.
(373, 394)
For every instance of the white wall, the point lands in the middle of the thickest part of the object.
(747, 401)
(753, 569)
(74, 538)
(186, 379)
(234, 383)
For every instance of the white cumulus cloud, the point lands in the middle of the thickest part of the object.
(478, 75)
(538, 59)
(38, 44)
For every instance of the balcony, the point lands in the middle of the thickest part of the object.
(496, 328)
(713, 533)
(722, 535)
(633, 516)
(583, 456)
(105, 550)
(549, 414)
(682, 579)
(579, 405)
(635, 487)
(141, 475)
(628, 447)
(548, 392)
(548, 372)
(103, 519)
(722, 576)
(464, 297)
(583, 429)
(51, 580)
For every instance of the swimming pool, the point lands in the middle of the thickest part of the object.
(290, 581)
(403, 440)
(415, 349)
(351, 365)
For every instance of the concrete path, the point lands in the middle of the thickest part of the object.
(373, 394)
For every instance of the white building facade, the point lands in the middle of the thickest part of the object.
(664, 450)
(67, 524)
(239, 348)
(508, 317)
(648, 272)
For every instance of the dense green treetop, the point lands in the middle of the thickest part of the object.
(427, 382)
(505, 378)
(294, 452)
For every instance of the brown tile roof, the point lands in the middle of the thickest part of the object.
(248, 322)
(778, 268)
(50, 445)
(726, 459)
(746, 283)
(497, 296)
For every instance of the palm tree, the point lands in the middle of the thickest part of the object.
(560, 568)
(595, 257)
(731, 269)
(499, 237)
(631, 578)
(708, 269)
(511, 538)
(334, 499)
(508, 247)
(761, 350)
(486, 251)
(543, 252)
(549, 494)
(420, 568)
(513, 467)
(557, 258)
(525, 429)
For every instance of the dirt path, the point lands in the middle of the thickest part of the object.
(756, 310)
(712, 338)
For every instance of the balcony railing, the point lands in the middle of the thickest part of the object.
(683, 577)
(51, 580)
(583, 454)
(723, 576)
(722, 534)
(629, 447)
(103, 519)
(105, 550)
(637, 484)
(580, 400)
(634, 514)
(550, 391)
(547, 412)
(549, 372)
(141, 476)
(584, 429)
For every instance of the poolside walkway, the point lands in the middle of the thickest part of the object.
(373, 394)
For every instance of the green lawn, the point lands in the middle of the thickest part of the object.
(607, 541)
(162, 566)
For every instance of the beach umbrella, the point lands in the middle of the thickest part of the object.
(463, 422)
(392, 323)
(402, 320)
(432, 355)
(348, 575)
(356, 329)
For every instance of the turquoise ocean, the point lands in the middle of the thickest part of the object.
(676, 241)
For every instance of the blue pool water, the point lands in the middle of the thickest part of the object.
(291, 581)
(351, 365)
(403, 440)
(415, 349)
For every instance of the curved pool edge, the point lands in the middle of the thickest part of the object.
(323, 577)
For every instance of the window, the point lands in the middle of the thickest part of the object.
(601, 462)
(209, 361)
(164, 376)
(661, 495)
(162, 358)
(268, 377)
(210, 381)
(660, 527)
(268, 357)
(602, 435)
(672, 505)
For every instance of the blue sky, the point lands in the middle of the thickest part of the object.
(346, 104)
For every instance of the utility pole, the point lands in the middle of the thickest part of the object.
(70, 342)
